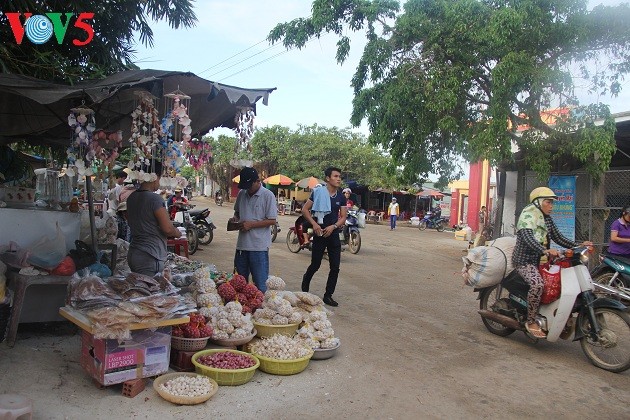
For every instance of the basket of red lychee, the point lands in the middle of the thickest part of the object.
(192, 336)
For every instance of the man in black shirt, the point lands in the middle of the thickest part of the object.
(329, 217)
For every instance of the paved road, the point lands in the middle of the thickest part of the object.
(413, 346)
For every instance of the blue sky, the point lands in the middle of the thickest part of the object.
(312, 87)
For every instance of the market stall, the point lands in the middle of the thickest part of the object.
(144, 110)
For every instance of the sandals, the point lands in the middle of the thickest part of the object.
(536, 333)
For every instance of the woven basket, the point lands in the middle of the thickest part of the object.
(265, 330)
(188, 344)
(283, 367)
(182, 400)
(228, 377)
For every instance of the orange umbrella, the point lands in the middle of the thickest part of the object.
(309, 182)
(278, 179)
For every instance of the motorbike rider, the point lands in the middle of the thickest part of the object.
(619, 244)
(347, 192)
(175, 201)
(535, 229)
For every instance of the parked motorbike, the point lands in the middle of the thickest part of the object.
(602, 325)
(613, 272)
(182, 219)
(205, 227)
(275, 228)
(218, 200)
(431, 220)
(349, 235)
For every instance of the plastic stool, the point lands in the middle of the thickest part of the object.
(178, 244)
(13, 406)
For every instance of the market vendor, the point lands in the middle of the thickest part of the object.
(150, 226)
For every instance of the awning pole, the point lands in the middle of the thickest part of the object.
(88, 187)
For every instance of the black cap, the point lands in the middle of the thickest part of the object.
(248, 177)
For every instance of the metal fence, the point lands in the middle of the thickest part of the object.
(597, 205)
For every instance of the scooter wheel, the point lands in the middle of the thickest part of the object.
(293, 242)
(193, 239)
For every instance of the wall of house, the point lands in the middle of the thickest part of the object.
(509, 204)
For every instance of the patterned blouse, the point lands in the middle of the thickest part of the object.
(528, 250)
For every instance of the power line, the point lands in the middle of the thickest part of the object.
(256, 64)
(242, 61)
(229, 58)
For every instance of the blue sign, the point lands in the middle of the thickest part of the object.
(564, 209)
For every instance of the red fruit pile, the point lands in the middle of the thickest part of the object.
(247, 294)
(227, 360)
(196, 328)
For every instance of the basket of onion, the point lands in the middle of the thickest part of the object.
(192, 336)
(282, 355)
(226, 367)
(185, 388)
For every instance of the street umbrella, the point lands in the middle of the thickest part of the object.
(309, 182)
(237, 179)
(430, 193)
(278, 179)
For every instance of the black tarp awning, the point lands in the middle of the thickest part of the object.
(36, 111)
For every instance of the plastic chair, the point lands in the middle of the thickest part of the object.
(380, 215)
(371, 215)
(13, 406)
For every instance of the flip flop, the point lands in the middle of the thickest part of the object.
(537, 333)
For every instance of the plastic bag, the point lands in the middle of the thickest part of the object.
(65, 268)
(82, 255)
(100, 270)
(13, 256)
(48, 253)
(553, 286)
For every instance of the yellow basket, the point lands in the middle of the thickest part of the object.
(264, 330)
(225, 376)
(283, 367)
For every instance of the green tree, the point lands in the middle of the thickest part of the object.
(449, 78)
(223, 152)
(308, 150)
(116, 24)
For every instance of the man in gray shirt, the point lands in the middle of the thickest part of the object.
(255, 211)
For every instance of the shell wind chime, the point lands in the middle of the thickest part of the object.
(176, 135)
(81, 152)
(146, 133)
(244, 126)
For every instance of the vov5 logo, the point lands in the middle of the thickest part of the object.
(40, 28)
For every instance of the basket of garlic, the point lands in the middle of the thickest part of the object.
(185, 388)
(225, 366)
(277, 315)
(318, 333)
(282, 355)
(231, 327)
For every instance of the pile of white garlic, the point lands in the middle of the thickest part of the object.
(188, 386)
(228, 321)
(317, 331)
(280, 347)
(205, 291)
(276, 310)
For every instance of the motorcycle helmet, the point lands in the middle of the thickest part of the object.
(542, 192)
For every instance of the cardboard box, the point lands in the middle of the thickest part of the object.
(112, 361)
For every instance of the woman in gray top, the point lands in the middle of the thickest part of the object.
(150, 227)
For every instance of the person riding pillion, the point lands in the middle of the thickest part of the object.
(535, 230)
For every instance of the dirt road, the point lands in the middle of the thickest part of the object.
(413, 346)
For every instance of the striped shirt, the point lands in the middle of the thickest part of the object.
(528, 250)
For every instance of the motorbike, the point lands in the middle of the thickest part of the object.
(349, 235)
(431, 220)
(601, 325)
(275, 228)
(182, 219)
(218, 200)
(205, 227)
(613, 272)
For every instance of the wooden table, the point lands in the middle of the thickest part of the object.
(83, 322)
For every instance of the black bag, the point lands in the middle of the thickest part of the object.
(83, 255)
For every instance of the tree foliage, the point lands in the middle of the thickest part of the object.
(448, 78)
(308, 150)
(115, 24)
